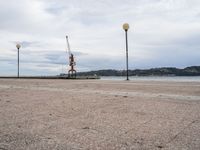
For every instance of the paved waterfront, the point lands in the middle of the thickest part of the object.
(95, 114)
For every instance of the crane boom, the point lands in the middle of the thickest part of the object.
(68, 46)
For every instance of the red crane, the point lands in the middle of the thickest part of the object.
(72, 63)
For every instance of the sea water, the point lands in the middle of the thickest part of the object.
(155, 78)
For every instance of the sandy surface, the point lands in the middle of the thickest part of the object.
(90, 114)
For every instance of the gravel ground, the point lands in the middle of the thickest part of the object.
(95, 114)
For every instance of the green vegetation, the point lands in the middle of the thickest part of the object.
(165, 71)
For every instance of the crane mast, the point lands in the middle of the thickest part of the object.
(72, 63)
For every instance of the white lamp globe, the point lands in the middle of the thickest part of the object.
(126, 26)
(18, 46)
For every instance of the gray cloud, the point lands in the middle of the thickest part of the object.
(27, 44)
(162, 33)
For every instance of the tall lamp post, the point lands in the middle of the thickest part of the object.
(126, 27)
(18, 47)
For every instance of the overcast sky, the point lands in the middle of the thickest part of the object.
(163, 33)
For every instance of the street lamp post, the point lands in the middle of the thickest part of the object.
(18, 47)
(126, 27)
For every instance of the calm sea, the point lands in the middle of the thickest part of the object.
(155, 78)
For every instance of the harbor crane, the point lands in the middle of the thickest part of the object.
(72, 63)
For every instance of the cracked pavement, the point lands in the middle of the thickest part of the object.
(95, 114)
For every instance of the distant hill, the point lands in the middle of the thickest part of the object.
(165, 71)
